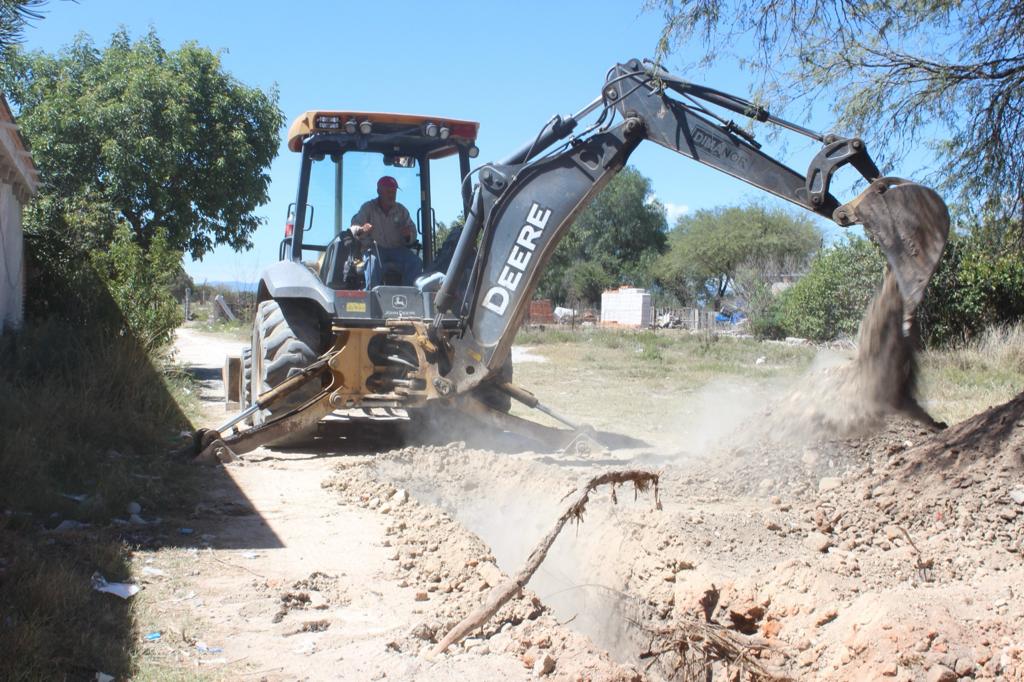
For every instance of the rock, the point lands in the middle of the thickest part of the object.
(134, 508)
(422, 596)
(771, 525)
(544, 665)
(745, 617)
(772, 628)
(400, 497)
(940, 673)
(892, 532)
(1017, 496)
(963, 666)
(889, 668)
(817, 542)
(423, 631)
(1008, 514)
(490, 573)
(829, 483)
(827, 616)
(809, 458)
(775, 499)
(806, 658)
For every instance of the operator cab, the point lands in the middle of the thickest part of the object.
(370, 145)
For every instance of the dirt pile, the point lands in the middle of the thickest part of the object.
(890, 557)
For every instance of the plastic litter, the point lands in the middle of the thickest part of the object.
(250, 555)
(69, 524)
(149, 570)
(152, 637)
(103, 677)
(185, 531)
(79, 499)
(203, 648)
(122, 590)
(134, 508)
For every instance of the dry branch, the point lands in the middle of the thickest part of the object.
(500, 594)
(704, 643)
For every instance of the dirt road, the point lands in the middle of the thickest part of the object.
(896, 556)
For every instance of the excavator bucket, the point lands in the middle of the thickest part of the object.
(911, 224)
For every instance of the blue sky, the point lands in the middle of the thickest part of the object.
(508, 65)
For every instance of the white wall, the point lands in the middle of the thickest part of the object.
(12, 265)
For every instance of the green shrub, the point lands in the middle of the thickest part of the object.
(976, 286)
(829, 301)
(140, 283)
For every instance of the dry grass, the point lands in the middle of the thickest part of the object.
(644, 379)
(81, 415)
(960, 382)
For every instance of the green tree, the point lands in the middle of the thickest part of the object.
(168, 139)
(829, 301)
(14, 16)
(709, 248)
(897, 73)
(139, 282)
(613, 241)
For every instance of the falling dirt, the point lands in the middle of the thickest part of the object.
(864, 547)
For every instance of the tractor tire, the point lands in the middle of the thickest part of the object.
(286, 340)
(246, 393)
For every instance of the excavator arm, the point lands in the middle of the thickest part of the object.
(525, 204)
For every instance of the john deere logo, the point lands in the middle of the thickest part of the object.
(398, 302)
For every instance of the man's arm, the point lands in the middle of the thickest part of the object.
(361, 225)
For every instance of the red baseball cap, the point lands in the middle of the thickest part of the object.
(387, 181)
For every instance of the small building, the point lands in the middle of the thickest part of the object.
(541, 311)
(18, 182)
(627, 307)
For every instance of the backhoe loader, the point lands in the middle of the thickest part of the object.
(322, 343)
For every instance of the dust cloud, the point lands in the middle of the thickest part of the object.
(839, 396)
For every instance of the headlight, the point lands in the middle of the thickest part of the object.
(472, 152)
(444, 132)
(350, 126)
(365, 127)
(430, 130)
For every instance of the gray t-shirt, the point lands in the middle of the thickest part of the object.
(387, 227)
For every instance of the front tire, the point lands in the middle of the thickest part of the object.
(286, 340)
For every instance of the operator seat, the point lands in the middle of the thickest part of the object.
(342, 263)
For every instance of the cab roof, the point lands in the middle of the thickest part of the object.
(394, 133)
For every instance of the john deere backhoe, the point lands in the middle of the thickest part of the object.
(322, 343)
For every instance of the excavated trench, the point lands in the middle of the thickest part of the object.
(510, 502)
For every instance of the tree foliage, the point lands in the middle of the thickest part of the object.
(978, 284)
(830, 300)
(709, 247)
(168, 139)
(898, 73)
(139, 282)
(612, 242)
(14, 16)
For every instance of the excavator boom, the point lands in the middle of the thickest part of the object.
(524, 205)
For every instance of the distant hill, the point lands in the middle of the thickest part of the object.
(232, 285)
